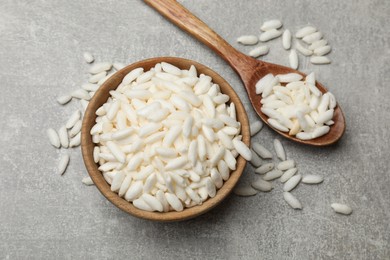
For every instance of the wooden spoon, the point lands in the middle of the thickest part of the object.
(250, 70)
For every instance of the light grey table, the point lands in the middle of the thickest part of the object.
(46, 216)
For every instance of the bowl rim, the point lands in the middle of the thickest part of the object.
(87, 145)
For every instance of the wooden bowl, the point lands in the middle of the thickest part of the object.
(87, 145)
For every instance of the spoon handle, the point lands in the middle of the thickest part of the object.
(188, 22)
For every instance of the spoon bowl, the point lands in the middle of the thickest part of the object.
(263, 68)
(87, 146)
(250, 70)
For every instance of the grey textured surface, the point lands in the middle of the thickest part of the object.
(46, 216)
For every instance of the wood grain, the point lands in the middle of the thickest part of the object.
(87, 145)
(250, 70)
